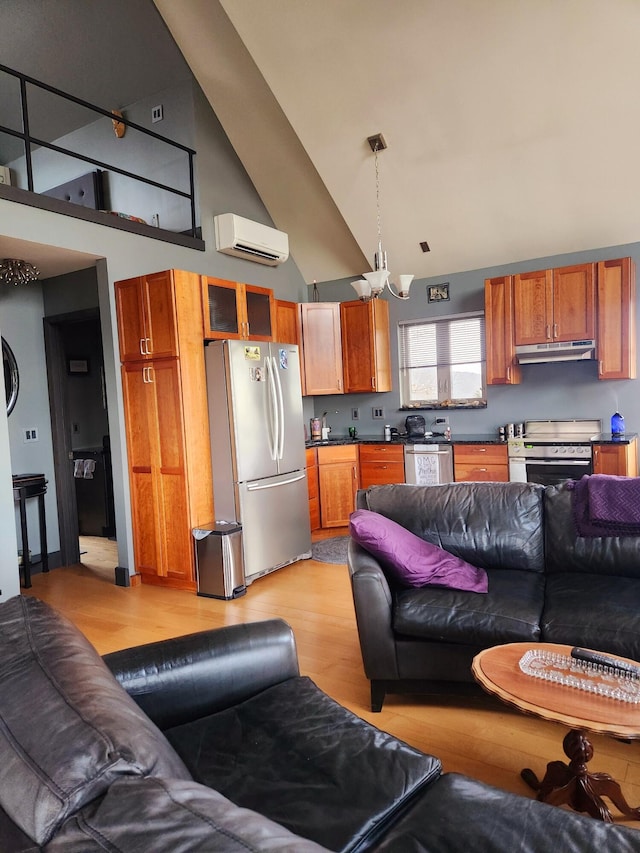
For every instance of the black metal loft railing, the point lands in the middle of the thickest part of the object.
(30, 141)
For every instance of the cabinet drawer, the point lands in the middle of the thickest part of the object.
(381, 452)
(480, 454)
(380, 473)
(341, 453)
(474, 472)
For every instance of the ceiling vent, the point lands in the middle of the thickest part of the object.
(250, 240)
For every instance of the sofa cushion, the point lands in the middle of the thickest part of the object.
(490, 525)
(596, 611)
(302, 760)
(509, 613)
(171, 816)
(409, 560)
(458, 814)
(568, 552)
(67, 728)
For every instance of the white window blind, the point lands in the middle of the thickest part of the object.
(442, 361)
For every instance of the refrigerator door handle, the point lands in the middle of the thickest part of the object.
(280, 410)
(259, 487)
(274, 428)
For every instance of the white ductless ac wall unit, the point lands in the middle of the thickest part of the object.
(250, 240)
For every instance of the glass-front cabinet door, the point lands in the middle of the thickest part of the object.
(237, 311)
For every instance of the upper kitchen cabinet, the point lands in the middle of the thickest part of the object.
(321, 348)
(238, 311)
(286, 328)
(554, 305)
(502, 367)
(365, 346)
(147, 310)
(616, 289)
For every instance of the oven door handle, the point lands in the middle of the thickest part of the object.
(553, 462)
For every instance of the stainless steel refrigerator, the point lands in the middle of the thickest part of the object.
(257, 450)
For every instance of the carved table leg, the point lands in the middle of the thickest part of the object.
(573, 785)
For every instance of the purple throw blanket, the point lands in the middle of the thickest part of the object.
(606, 505)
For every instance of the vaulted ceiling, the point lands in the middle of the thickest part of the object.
(512, 127)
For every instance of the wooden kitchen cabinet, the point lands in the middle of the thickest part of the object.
(554, 305)
(381, 464)
(287, 323)
(480, 462)
(501, 365)
(338, 482)
(366, 355)
(238, 311)
(169, 460)
(321, 347)
(620, 460)
(616, 299)
(147, 317)
(312, 484)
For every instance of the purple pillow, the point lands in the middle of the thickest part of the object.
(410, 560)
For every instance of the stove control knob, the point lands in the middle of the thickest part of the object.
(554, 449)
(572, 450)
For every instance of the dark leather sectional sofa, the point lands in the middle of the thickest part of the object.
(546, 583)
(216, 744)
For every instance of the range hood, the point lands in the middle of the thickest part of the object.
(556, 351)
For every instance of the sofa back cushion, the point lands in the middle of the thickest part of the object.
(67, 728)
(490, 525)
(568, 552)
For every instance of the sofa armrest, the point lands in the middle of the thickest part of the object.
(373, 603)
(182, 679)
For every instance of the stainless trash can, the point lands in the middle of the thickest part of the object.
(219, 563)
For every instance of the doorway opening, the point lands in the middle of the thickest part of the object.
(80, 430)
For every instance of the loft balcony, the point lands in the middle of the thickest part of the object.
(68, 156)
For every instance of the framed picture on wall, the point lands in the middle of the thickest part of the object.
(438, 292)
(78, 366)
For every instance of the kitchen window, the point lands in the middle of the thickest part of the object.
(442, 362)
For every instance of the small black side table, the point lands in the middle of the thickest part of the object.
(31, 486)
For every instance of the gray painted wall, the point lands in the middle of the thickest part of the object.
(547, 391)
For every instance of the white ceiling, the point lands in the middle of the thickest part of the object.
(512, 127)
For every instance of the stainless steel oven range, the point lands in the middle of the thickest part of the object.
(552, 451)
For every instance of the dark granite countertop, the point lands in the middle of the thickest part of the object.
(480, 438)
(607, 438)
(402, 440)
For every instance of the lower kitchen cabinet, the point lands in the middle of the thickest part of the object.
(618, 459)
(312, 484)
(338, 482)
(381, 464)
(480, 462)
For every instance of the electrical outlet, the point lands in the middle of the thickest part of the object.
(355, 414)
(377, 413)
(31, 434)
(157, 113)
(155, 220)
(443, 419)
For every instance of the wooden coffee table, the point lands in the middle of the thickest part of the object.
(497, 670)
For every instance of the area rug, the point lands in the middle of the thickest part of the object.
(330, 550)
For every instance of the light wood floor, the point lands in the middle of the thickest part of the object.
(480, 738)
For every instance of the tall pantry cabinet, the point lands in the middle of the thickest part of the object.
(166, 419)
